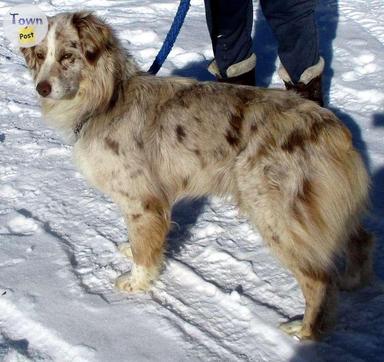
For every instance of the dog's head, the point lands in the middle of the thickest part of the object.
(73, 46)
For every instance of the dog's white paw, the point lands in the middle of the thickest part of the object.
(297, 330)
(125, 249)
(128, 283)
(292, 328)
(138, 280)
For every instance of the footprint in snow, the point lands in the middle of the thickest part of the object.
(20, 225)
(8, 192)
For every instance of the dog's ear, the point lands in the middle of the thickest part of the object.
(94, 34)
(30, 57)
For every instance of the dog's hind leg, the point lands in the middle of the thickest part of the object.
(301, 254)
(320, 294)
(148, 225)
(318, 283)
(297, 228)
(359, 269)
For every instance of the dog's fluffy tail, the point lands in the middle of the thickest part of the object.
(336, 200)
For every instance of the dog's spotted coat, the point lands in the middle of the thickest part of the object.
(147, 141)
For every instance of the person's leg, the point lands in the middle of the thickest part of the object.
(293, 23)
(230, 26)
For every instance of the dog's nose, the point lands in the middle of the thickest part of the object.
(44, 88)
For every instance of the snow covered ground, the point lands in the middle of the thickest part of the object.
(222, 293)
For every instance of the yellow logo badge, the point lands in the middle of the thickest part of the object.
(27, 35)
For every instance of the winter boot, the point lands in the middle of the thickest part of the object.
(239, 73)
(309, 85)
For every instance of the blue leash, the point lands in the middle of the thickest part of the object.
(171, 36)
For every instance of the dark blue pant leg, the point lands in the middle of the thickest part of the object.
(230, 27)
(294, 26)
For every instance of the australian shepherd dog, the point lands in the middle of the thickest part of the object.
(147, 141)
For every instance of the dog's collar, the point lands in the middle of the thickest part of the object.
(79, 126)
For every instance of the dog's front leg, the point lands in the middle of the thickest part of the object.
(148, 225)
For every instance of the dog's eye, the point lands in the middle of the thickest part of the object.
(40, 56)
(66, 56)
